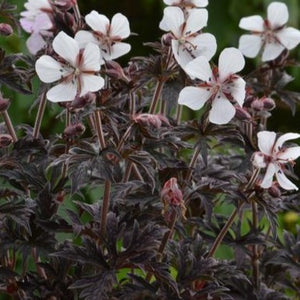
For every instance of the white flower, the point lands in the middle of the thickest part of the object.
(76, 75)
(187, 42)
(274, 156)
(106, 35)
(187, 3)
(221, 86)
(270, 34)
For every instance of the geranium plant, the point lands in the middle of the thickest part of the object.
(133, 198)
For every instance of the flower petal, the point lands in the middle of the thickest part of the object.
(289, 37)
(35, 43)
(119, 49)
(196, 20)
(231, 61)
(199, 68)
(66, 47)
(284, 182)
(285, 137)
(238, 91)
(250, 45)
(90, 83)
(172, 20)
(200, 3)
(91, 58)
(222, 111)
(204, 44)
(42, 22)
(268, 178)
(290, 154)
(84, 37)
(182, 56)
(119, 26)
(278, 14)
(27, 24)
(63, 92)
(97, 22)
(49, 70)
(272, 51)
(266, 141)
(193, 97)
(252, 23)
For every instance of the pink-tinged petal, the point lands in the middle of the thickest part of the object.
(284, 182)
(238, 91)
(170, 2)
(42, 22)
(66, 47)
(193, 97)
(63, 92)
(250, 45)
(182, 56)
(199, 68)
(49, 70)
(196, 20)
(266, 141)
(291, 153)
(90, 83)
(97, 22)
(289, 37)
(258, 160)
(172, 20)
(91, 58)
(231, 61)
(285, 137)
(27, 24)
(119, 26)
(119, 49)
(200, 3)
(35, 43)
(253, 23)
(278, 14)
(272, 51)
(84, 37)
(268, 178)
(205, 44)
(222, 111)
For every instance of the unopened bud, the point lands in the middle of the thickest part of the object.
(171, 194)
(269, 103)
(151, 120)
(80, 102)
(274, 190)
(74, 130)
(114, 70)
(263, 103)
(5, 140)
(166, 39)
(4, 103)
(5, 29)
(242, 114)
(65, 4)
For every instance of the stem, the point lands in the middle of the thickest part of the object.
(124, 138)
(255, 255)
(9, 125)
(192, 163)
(131, 103)
(105, 206)
(99, 129)
(39, 116)
(178, 114)
(156, 95)
(39, 270)
(223, 232)
(65, 167)
(127, 172)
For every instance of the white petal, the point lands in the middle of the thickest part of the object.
(66, 47)
(119, 49)
(266, 141)
(49, 70)
(253, 23)
(97, 22)
(63, 92)
(285, 137)
(284, 182)
(42, 22)
(35, 43)
(193, 97)
(91, 58)
(84, 37)
(90, 83)
(289, 37)
(231, 61)
(27, 24)
(222, 111)
(170, 2)
(272, 51)
(119, 26)
(182, 56)
(200, 3)
(196, 20)
(238, 91)
(268, 178)
(250, 45)
(172, 20)
(278, 14)
(258, 160)
(205, 45)
(291, 153)
(199, 68)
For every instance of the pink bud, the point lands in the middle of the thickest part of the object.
(114, 70)
(242, 114)
(171, 194)
(4, 103)
(274, 190)
(5, 29)
(150, 120)
(5, 140)
(74, 130)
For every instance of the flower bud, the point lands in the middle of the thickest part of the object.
(166, 39)
(4, 103)
(150, 120)
(5, 29)
(242, 114)
(263, 103)
(171, 194)
(114, 70)
(80, 102)
(5, 140)
(274, 190)
(74, 130)
(65, 4)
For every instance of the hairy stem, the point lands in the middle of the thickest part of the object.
(9, 125)
(36, 259)
(39, 116)
(178, 114)
(255, 254)
(156, 95)
(99, 129)
(192, 164)
(131, 103)
(105, 206)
